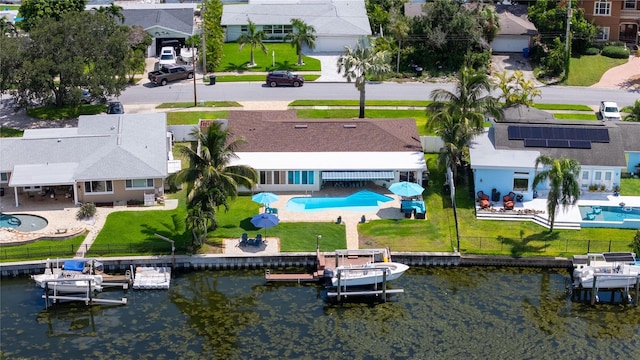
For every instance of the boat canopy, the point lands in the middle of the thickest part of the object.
(74, 265)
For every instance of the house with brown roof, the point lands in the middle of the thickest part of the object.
(292, 154)
(617, 20)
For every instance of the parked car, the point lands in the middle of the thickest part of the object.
(171, 73)
(609, 111)
(282, 77)
(168, 56)
(115, 107)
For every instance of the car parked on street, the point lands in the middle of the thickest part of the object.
(609, 110)
(115, 107)
(283, 77)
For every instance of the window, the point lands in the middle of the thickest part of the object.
(602, 8)
(4, 177)
(607, 176)
(585, 175)
(630, 4)
(300, 177)
(520, 184)
(98, 186)
(273, 177)
(244, 29)
(603, 33)
(139, 184)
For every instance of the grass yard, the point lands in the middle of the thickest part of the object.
(192, 117)
(630, 187)
(41, 249)
(574, 116)
(235, 60)
(185, 105)
(597, 65)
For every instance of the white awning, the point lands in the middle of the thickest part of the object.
(357, 175)
(43, 174)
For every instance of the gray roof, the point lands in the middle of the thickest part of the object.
(630, 133)
(600, 154)
(346, 17)
(514, 20)
(131, 146)
(179, 20)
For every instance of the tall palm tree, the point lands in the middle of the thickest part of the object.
(302, 34)
(360, 62)
(114, 11)
(459, 115)
(564, 188)
(210, 179)
(399, 28)
(253, 38)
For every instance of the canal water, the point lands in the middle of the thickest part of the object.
(444, 313)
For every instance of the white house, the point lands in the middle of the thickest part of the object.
(338, 23)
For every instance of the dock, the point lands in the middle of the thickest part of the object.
(152, 278)
(314, 276)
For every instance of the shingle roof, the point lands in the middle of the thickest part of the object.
(281, 131)
(180, 20)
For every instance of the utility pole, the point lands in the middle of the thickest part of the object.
(193, 62)
(204, 42)
(569, 13)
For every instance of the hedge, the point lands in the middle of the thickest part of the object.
(615, 52)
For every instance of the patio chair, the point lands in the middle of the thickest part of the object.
(273, 211)
(244, 240)
(596, 210)
(259, 240)
(591, 216)
(508, 201)
(483, 199)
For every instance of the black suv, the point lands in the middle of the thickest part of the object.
(115, 107)
(281, 77)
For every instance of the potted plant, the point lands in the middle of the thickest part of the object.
(602, 188)
(593, 187)
(616, 190)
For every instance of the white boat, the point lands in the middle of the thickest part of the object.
(73, 276)
(367, 274)
(351, 271)
(606, 271)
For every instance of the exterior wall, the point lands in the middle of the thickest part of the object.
(619, 15)
(633, 162)
(119, 195)
(502, 180)
(597, 175)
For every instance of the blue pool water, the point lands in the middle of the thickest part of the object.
(23, 222)
(364, 200)
(612, 213)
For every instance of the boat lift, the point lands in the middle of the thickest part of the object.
(86, 296)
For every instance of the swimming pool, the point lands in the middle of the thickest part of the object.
(362, 201)
(23, 222)
(610, 213)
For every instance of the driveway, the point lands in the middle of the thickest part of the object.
(512, 63)
(328, 62)
(624, 77)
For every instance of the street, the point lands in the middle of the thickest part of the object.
(183, 92)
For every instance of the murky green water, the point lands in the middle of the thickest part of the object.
(451, 313)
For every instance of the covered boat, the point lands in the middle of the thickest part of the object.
(73, 276)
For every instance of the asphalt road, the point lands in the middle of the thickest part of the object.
(184, 92)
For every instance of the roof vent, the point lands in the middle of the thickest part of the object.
(349, 126)
(300, 126)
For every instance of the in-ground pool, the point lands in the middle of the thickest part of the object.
(610, 213)
(362, 201)
(23, 222)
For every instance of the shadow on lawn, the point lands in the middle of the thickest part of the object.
(235, 67)
(521, 245)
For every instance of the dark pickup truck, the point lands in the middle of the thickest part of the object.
(171, 73)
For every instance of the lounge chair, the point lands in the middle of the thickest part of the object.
(508, 201)
(596, 210)
(273, 211)
(483, 199)
(244, 240)
(591, 216)
(259, 240)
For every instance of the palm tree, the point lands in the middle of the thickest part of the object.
(361, 61)
(564, 188)
(302, 34)
(458, 116)
(399, 28)
(253, 38)
(634, 114)
(114, 11)
(7, 28)
(210, 179)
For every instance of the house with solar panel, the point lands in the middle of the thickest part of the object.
(106, 159)
(292, 154)
(503, 158)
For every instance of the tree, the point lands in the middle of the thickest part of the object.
(360, 62)
(12, 52)
(212, 34)
(634, 114)
(210, 179)
(635, 244)
(302, 34)
(458, 116)
(7, 28)
(33, 11)
(516, 89)
(114, 11)
(253, 38)
(562, 175)
(81, 49)
(139, 40)
(400, 30)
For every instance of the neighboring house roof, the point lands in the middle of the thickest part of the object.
(345, 17)
(630, 133)
(179, 20)
(514, 20)
(609, 153)
(131, 146)
(277, 140)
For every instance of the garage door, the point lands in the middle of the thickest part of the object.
(334, 44)
(510, 43)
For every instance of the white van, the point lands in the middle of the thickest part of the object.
(168, 56)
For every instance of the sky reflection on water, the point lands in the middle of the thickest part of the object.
(444, 313)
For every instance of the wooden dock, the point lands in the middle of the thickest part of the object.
(299, 278)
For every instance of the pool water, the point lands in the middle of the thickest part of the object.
(23, 222)
(612, 213)
(364, 200)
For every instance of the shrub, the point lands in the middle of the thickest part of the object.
(615, 52)
(592, 51)
(86, 211)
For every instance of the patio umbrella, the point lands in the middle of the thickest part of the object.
(405, 188)
(265, 221)
(265, 198)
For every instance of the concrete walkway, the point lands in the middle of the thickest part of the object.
(626, 76)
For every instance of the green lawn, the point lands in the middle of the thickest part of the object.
(587, 70)
(574, 116)
(185, 105)
(192, 117)
(630, 187)
(235, 60)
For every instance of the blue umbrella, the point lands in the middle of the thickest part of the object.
(265, 198)
(407, 189)
(265, 221)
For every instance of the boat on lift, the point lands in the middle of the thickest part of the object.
(606, 271)
(72, 276)
(376, 270)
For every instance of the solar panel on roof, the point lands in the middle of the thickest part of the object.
(580, 144)
(536, 133)
(525, 132)
(599, 135)
(514, 133)
(535, 143)
(556, 143)
(548, 133)
(579, 134)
